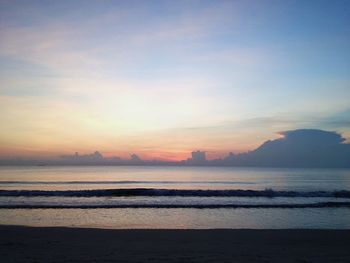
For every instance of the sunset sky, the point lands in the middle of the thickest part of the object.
(163, 78)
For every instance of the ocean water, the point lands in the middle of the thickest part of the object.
(174, 197)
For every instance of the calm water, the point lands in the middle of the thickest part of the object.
(175, 197)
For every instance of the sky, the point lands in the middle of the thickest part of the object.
(163, 78)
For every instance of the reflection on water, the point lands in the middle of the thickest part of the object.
(335, 218)
(173, 178)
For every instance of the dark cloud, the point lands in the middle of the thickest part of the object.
(93, 158)
(297, 148)
(312, 148)
(135, 158)
(198, 158)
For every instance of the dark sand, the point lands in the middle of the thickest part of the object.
(26, 244)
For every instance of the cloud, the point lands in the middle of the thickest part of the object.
(297, 148)
(312, 136)
(337, 120)
(310, 148)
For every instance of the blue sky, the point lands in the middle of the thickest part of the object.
(162, 78)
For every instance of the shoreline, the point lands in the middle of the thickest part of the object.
(66, 244)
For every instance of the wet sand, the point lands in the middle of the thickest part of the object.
(34, 244)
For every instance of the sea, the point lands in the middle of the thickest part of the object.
(174, 197)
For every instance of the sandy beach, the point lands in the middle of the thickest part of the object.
(31, 244)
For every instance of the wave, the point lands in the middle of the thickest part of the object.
(196, 206)
(175, 192)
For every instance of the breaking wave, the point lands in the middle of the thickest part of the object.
(196, 206)
(175, 192)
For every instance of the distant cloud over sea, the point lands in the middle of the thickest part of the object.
(296, 148)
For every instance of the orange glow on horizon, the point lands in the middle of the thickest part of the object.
(172, 156)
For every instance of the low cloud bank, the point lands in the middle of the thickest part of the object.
(297, 148)
(309, 148)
